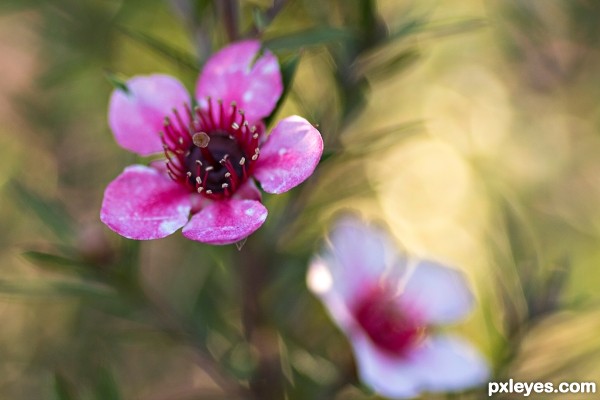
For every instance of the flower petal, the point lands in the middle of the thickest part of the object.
(289, 156)
(447, 363)
(362, 255)
(320, 281)
(392, 377)
(248, 191)
(439, 364)
(235, 73)
(441, 294)
(142, 204)
(225, 222)
(136, 117)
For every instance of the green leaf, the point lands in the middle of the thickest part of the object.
(55, 262)
(63, 389)
(117, 82)
(407, 29)
(176, 55)
(17, 5)
(57, 289)
(260, 20)
(444, 28)
(51, 213)
(379, 139)
(394, 64)
(288, 72)
(106, 386)
(310, 37)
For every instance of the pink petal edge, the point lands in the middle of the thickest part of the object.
(136, 117)
(226, 222)
(289, 156)
(235, 74)
(143, 204)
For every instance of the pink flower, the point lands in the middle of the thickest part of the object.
(213, 151)
(389, 306)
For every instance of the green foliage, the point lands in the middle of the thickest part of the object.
(311, 37)
(168, 51)
(50, 212)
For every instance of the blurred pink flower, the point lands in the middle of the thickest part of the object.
(388, 307)
(213, 151)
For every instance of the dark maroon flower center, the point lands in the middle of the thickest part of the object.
(389, 324)
(211, 151)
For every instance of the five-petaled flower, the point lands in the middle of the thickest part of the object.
(388, 306)
(213, 150)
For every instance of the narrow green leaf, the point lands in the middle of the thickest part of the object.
(63, 389)
(55, 262)
(117, 82)
(106, 386)
(17, 5)
(310, 37)
(57, 289)
(444, 28)
(394, 64)
(260, 20)
(288, 72)
(51, 213)
(380, 139)
(407, 29)
(176, 55)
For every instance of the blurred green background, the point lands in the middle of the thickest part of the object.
(470, 127)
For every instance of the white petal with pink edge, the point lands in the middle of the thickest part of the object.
(136, 117)
(238, 73)
(390, 376)
(289, 156)
(358, 257)
(321, 282)
(226, 221)
(143, 204)
(447, 363)
(439, 364)
(441, 294)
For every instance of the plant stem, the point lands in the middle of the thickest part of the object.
(230, 15)
(267, 380)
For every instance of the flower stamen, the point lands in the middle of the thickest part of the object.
(214, 152)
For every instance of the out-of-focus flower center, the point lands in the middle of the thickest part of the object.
(211, 151)
(390, 325)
